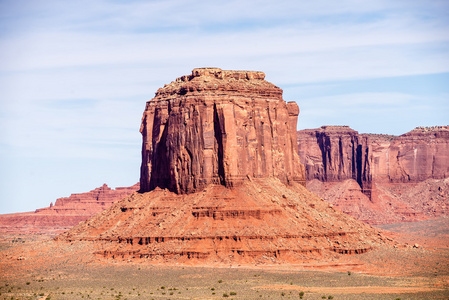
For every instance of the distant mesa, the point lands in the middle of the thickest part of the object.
(221, 182)
(66, 212)
(89, 203)
(384, 178)
(335, 153)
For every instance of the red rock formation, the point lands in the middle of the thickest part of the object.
(259, 221)
(89, 203)
(222, 182)
(218, 126)
(420, 154)
(66, 212)
(398, 170)
(384, 206)
(334, 154)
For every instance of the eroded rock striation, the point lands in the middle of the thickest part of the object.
(334, 154)
(415, 156)
(260, 221)
(221, 182)
(216, 126)
(401, 178)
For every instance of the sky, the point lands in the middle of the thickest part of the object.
(75, 75)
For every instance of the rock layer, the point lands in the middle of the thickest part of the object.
(334, 154)
(260, 221)
(66, 212)
(418, 155)
(395, 170)
(89, 203)
(222, 182)
(218, 126)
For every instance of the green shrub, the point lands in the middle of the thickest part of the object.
(232, 293)
(225, 295)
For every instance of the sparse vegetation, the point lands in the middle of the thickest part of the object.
(119, 281)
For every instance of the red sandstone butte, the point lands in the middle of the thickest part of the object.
(66, 212)
(221, 182)
(218, 126)
(335, 153)
(415, 156)
(401, 178)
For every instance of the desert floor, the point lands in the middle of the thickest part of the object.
(36, 267)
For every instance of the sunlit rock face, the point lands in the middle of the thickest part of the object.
(415, 156)
(221, 127)
(379, 178)
(221, 182)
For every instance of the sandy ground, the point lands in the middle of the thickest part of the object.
(36, 267)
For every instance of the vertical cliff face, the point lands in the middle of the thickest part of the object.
(403, 176)
(203, 134)
(216, 126)
(420, 154)
(335, 153)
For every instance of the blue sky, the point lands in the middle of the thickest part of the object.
(75, 75)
